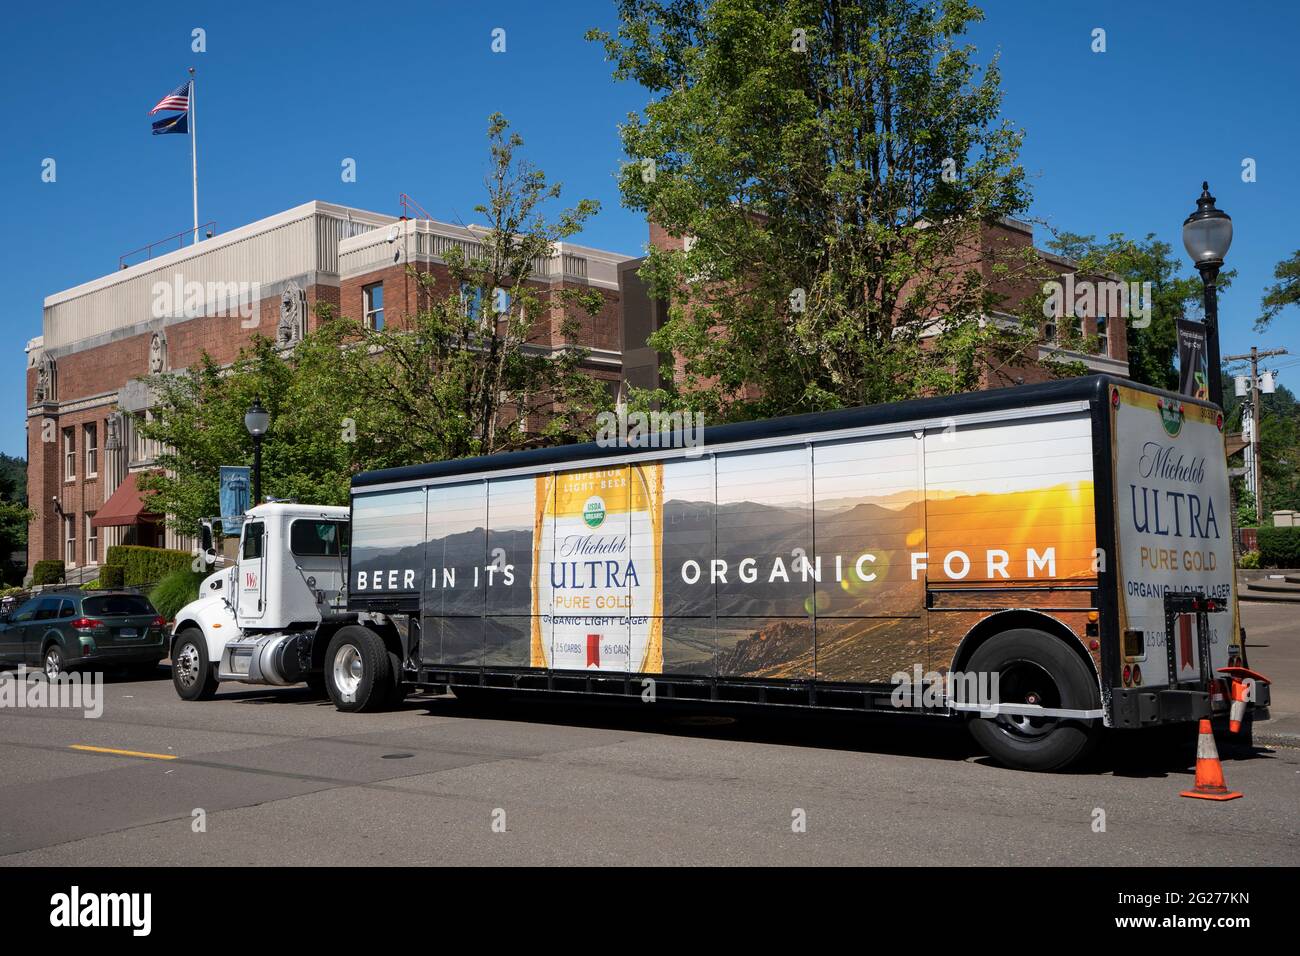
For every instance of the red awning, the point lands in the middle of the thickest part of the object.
(125, 506)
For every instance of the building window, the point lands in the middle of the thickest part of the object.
(92, 540)
(70, 540)
(91, 439)
(69, 454)
(1075, 328)
(373, 296)
(1103, 339)
(471, 301)
(142, 449)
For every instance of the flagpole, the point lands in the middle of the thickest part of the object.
(194, 159)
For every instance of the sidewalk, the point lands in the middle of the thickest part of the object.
(1273, 649)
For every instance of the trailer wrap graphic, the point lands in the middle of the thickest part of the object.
(1173, 524)
(598, 565)
(808, 561)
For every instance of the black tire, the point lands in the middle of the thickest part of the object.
(397, 687)
(192, 673)
(53, 662)
(1035, 667)
(358, 673)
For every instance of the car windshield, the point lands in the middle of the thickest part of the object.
(116, 605)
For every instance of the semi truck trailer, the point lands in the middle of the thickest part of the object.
(1046, 562)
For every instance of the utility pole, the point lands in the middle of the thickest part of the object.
(1255, 471)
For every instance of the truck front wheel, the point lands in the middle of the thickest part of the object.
(191, 671)
(1035, 668)
(358, 674)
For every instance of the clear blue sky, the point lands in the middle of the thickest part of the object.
(1116, 141)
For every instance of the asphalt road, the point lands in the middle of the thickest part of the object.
(284, 779)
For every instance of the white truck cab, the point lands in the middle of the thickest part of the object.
(262, 619)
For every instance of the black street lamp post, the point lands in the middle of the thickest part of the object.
(257, 420)
(1207, 235)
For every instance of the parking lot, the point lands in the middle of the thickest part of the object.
(262, 776)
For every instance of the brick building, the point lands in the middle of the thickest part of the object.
(998, 242)
(85, 388)
(85, 374)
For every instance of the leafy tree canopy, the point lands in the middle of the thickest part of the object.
(831, 161)
(1153, 349)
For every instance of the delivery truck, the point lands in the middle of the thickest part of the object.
(1044, 562)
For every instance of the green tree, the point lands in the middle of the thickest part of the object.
(1285, 291)
(1153, 350)
(829, 163)
(471, 373)
(1279, 445)
(14, 516)
(198, 420)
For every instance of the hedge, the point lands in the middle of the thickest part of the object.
(1279, 547)
(175, 591)
(142, 565)
(47, 572)
(112, 576)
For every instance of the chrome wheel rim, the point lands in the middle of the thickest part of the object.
(187, 665)
(53, 664)
(348, 670)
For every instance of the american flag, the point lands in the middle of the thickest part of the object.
(177, 99)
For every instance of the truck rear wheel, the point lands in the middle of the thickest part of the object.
(192, 674)
(396, 686)
(1034, 667)
(358, 673)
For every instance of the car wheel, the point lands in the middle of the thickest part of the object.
(52, 663)
(358, 672)
(1034, 667)
(192, 673)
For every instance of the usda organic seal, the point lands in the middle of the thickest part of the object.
(593, 512)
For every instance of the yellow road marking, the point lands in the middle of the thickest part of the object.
(122, 753)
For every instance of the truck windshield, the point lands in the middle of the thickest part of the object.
(310, 538)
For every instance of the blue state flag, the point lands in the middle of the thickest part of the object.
(172, 124)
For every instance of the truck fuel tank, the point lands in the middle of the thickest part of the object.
(277, 658)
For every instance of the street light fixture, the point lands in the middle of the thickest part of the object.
(257, 420)
(1207, 236)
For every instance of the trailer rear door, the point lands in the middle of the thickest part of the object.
(1173, 533)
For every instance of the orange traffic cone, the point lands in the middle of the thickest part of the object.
(1243, 690)
(1210, 784)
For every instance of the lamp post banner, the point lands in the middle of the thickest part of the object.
(234, 493)
(1193, 364)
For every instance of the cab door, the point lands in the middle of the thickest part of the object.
(251, 589)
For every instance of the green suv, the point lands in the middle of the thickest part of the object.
(60, 630)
